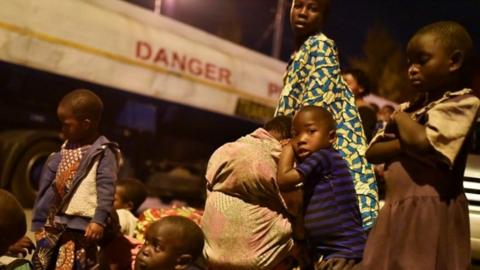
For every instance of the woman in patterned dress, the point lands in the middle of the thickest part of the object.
(314, 78)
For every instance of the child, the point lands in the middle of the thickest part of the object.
(424, 223)
(12, 221)
(245, 221)
(129, 195)
(332, 218)
(12, 228)
(77, 188)
(358, 82)
(171, 243)
(314, 78)
(117, 253)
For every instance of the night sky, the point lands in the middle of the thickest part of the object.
(247, 21)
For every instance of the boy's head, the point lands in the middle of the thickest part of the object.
(279, 127)
(80, 112)
(173, 242)
(313, 129)
(357, 81)
(308, 16)
(12, 221)
(129, 194)
(439, 57)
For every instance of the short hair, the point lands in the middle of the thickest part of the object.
(13, 224)
(282, 124)
(190, 234)
(388, 107)
(453, 36)
(135, 191)
(374, 106)
(85, 104)
(361, 78)
(322, 115)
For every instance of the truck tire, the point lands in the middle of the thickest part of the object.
(26, 176)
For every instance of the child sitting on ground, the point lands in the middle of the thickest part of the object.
(129, 195)
(117, 253)
(171, 243)
(424, 222)
(77, 188)
(331, 214)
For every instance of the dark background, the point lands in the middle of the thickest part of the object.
(247, 22)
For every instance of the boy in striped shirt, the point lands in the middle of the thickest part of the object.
(330, 211)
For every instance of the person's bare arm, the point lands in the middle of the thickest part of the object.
(287, 176)
(412, 135)
(381, 152)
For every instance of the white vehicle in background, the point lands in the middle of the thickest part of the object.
(172, 93)
(471, 184)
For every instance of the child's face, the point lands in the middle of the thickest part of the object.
(428, 63)
(73, 129)
(160, 249)
(352, 83)
(306, 16)
(120, 202)
(309, 135)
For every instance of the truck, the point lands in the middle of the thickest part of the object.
(172, 93)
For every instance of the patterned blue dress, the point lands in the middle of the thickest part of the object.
(313, 78)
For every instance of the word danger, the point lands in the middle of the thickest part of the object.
(191, 65)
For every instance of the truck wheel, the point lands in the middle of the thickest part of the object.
(26, 177)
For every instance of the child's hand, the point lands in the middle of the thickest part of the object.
(93, 232)
(22, 247)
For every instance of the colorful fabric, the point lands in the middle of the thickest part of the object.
(64, 249)
(244, 222)
(313, 78)
(103, 151)
(151, 215)
(71, 155)
(247, 168)
(332, 218)
(63, 233)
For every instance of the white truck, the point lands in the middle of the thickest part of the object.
(172, 93)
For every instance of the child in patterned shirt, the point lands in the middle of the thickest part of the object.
(76, 188)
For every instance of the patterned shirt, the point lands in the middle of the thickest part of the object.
(71, 155)
(313, 78)
(332, 217)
